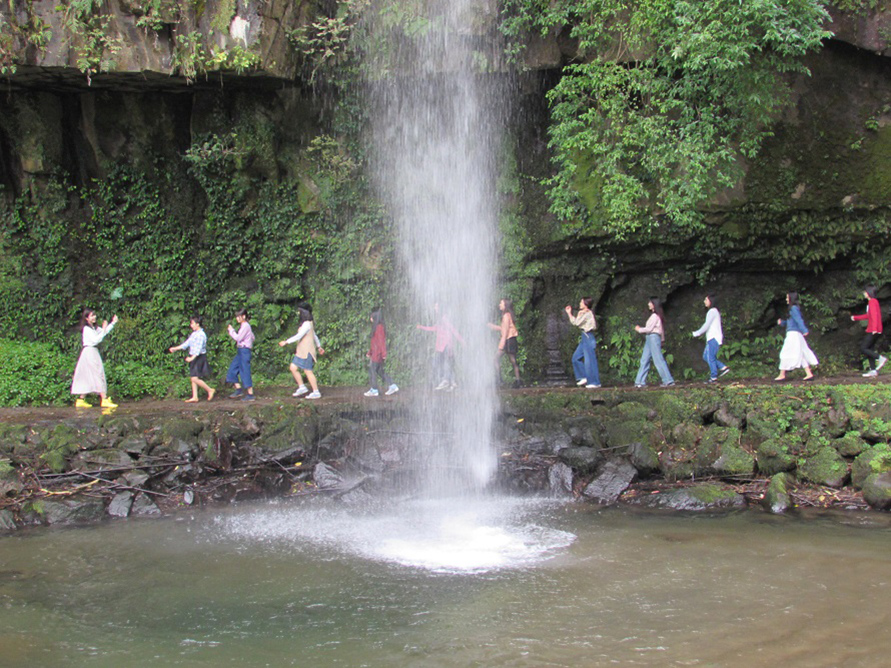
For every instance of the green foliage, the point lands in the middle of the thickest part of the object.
(325, 43)
(624, 348)
(20, 29)
(192, 59)
(669, 96)
(34, 373)
(87, 32)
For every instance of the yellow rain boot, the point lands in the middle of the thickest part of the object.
(80, 403)
(108, 403)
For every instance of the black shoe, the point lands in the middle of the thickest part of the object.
(248, 397)
(235, 394)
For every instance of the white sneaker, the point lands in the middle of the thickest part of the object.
(882, 360)
(583, 381)
(443, 385)
(591, 386)
(314, 395)
(300, 391)
(871, 374)
(371, 393)
(391, 390)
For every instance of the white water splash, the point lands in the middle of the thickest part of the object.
(434, 535)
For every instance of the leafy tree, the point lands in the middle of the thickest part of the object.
(665, 100)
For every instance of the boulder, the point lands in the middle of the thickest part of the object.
(7, 521)
(560, 481)
(850, 444)
(697, 497)
(823, 467)
(644, 458)
(724, 417)
(144, 506)
(877, 490)
(876, 459)
(611, 480)
(326, 477)
(120, 505)
(775, 455)
(581, 460)
(776, 497)
(72, 510)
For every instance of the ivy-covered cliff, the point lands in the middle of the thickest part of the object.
(162, 158)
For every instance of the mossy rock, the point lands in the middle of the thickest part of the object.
(719, 452)
(101, 459)
(696, 497)
(876, 459)
(836, 421)
(776, 455)
(118, 425)
(823, 467)
(622, 433)
(686, 435)
(635, 411)
(850, 445)
(672, 409)
(877, 490)
(762, 425)
(776, 496)
(185, 429)
(12, 435)
(288, 432)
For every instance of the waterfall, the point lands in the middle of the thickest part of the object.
(435, 124)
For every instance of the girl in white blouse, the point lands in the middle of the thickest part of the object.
(89, 374)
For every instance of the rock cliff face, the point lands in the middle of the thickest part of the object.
(91, 87)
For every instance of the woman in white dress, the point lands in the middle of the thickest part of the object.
(796, 353)
(89, 374)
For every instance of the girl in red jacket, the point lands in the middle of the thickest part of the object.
(378, 355)
(873, 317)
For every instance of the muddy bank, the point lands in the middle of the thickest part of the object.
(693, 448)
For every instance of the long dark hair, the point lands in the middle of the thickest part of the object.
(793, 299)
(377, 318)
(870, 290)
(711, 300)
(83, 319)
(509, 307)
(589, 303)
(243, 312)
(657, 308)
(303, 315)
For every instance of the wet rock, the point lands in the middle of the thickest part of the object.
(144, 506)
(583, 460)
(776, 497)
(823, 467)
(720, 453)
(120, 505)
(366, 458)
(118, 426)
(877, 490)
(560, 481)
(72, 510)
(10, 482)
(584, 432)
(326, 477)
(7, 521)
(611, 480)
(697, 497)
(623, 433)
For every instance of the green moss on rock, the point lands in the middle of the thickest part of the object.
(824, 467)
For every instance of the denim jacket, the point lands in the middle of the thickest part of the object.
(795, 323)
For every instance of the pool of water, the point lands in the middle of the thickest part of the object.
(502, 582)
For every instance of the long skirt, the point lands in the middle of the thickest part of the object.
(89, 374)
(796, 353)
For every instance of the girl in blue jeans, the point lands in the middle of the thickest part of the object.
(239, 371)
(584, 359)
(654, 331)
